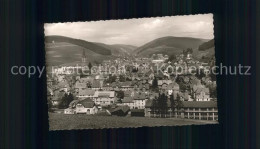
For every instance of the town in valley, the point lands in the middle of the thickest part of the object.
(168, 80)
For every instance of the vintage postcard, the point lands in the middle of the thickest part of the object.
(141, 72)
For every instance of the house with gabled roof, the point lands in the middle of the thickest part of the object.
(86, 106)
(120, 111)
(104, 98)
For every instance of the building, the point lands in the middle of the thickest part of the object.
(86, 106)
(200, 110)
(173, 88)
(120, 111)
(190, 110)
(80, 86)
(87, 93)
(97, 85)
(104, 98)
(163, 84)
(139, 100)
(200, 93)
(128, 101)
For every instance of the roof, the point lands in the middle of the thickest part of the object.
(86, 92)
(80, 85)
(153, 95)
(160, 82)
(85, 80)
(189, 104)
(148, 103)
(199, 104)
(137, 110)
(96, 84)
(87, 103)
(200, 89)
(115, 84)
(128, 93)
(174, 86)
(184, 95)
(122, 108)
(110, 94)
(73, 102)
(126, 84)
(127, 100)
(139, 96)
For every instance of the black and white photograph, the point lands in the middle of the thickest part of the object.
(129, 73)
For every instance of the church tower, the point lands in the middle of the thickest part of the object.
(83, 59)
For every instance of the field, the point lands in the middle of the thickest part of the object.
(77, 121)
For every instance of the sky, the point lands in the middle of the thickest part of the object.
(135, 32)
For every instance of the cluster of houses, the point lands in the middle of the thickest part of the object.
(93, 93)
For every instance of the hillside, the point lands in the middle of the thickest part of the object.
(63, 53)
(168, 45)
(84, 44)
(118, 49)
(67, 51)
(125, 48)
(207, 45)
(62, 50)
(206, 50)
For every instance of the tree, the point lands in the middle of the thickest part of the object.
(200, 74)
(190, 50)
(162, 105)
(178, 103)
(134, 70)
(111, 79)
(187, 51)
(212, 75)
(172, 103)
(172, 58)
(213, 92)
(120, 94)
(65, 101)
(155, 84)
(154, 106)
(50, 105)
(89, 66)
(122, 78)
